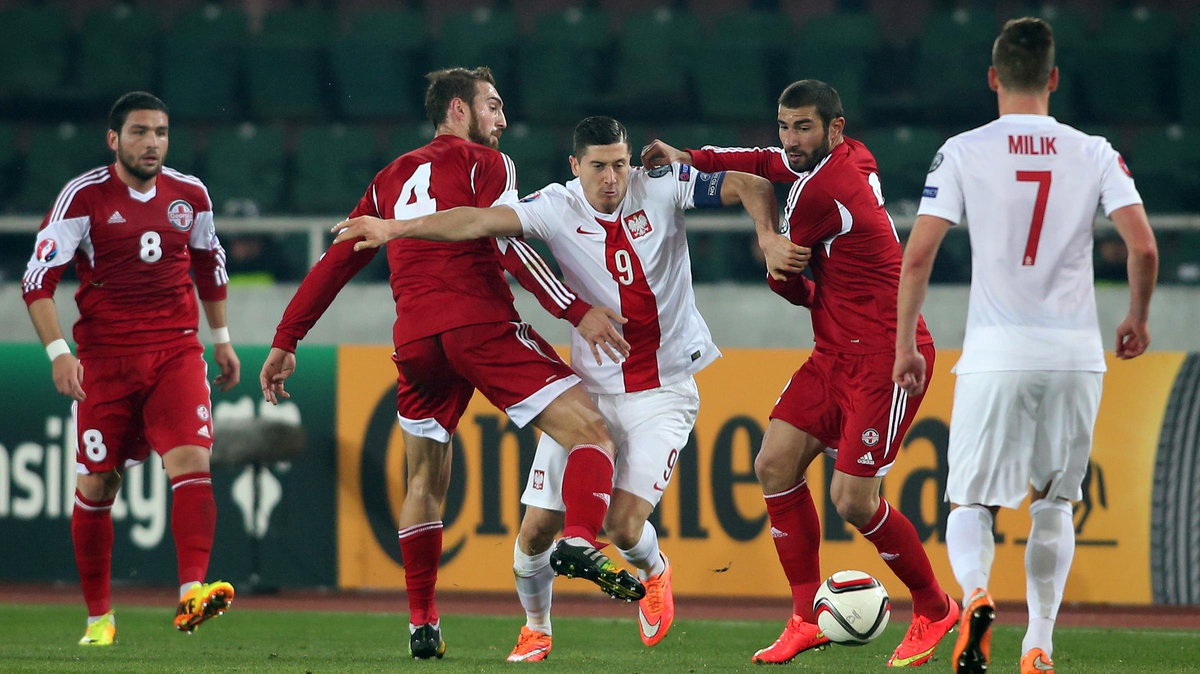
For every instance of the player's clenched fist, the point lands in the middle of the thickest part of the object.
(658, 153)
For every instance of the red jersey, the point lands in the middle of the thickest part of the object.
(133, 253)
(438, 286)
(836, 209)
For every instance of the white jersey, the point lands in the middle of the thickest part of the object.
(636, 262)
(1029, 186)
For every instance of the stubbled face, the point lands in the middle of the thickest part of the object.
(803, 137)
(487, 122)
(141, 146)
(603, 171)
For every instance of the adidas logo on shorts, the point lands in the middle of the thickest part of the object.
(866, 460)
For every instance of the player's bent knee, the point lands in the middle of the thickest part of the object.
(538, 529)
(186, 459)
(858, 512)
(99, 486)
(624, 533)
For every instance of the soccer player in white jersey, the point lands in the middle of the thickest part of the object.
(618, 233)
(1030, 375)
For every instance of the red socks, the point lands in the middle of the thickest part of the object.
(796, 532)
(421, 550)
(92, 536)
(193, 521)
(899, 546)
(586, 491)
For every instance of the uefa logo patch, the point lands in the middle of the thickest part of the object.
(47, 250)
(181, 215)
(870, 437)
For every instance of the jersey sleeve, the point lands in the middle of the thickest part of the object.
(494, 180)
(540, 212)
(768, 162)
(943, 196)
(62, 230)
(323, 282)
(523, 263)
(798, 290)
(208, 257)
(816, 217)
(697, 189)
(1117, 189)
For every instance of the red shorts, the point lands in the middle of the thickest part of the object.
(849, 402)
(158, 400)
(510, 364)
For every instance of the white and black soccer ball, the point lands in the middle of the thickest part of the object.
(852, 608)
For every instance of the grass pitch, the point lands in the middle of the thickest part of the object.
(42, 638)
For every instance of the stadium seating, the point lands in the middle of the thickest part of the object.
(245, 169)
(655, 53)
(183, 153)
(408, 137)
(561, 64)
(903, 155)
(285, 66)
(117, 51)
(200, 57)
(837, 49)
(59, 153)
(480, 36)
(334, 165)
(739, 85)
(953, 55)
(1127, 71)
(376, 65)
(40, 30)
(8, 162)
(539, 156)
(1165, 161)
(1189, 83)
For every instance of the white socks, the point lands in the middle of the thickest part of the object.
(1048, 556)
(970, 546)
(645, 554)
(535, 587)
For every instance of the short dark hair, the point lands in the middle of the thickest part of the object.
(450, 83)
(813, 92)
(134, 100)
(1023, 55)
(598, 130)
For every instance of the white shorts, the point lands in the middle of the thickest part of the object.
(650, 428)
(1013, 430)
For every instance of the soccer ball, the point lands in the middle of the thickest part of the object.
(852, 608)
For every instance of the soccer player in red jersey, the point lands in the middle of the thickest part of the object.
(843, 397)
(135, 230)
(456, 331)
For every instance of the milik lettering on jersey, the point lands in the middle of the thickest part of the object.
(1026, 145)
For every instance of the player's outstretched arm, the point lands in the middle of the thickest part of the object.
(1133, 334)
(919, 253)
(783, 258)
(276, 369)
(658, 153)
(223, 353)
(457, 224)
(64, 366)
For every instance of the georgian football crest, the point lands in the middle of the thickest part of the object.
(181, 215)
